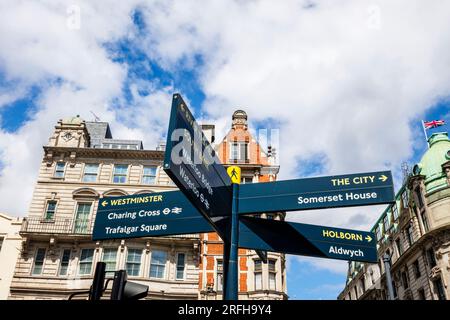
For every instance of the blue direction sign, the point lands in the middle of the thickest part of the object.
(147, 215)
(191, 162)
(316, 193)
(307, 240)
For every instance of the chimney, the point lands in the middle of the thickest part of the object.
(209, 132)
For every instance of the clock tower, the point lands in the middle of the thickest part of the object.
(70, 132)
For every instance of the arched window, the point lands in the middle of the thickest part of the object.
(114, 193)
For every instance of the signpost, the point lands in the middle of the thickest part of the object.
(147, 215)
(317, 193)
(191, 163)
(307, 240)
(212, 200)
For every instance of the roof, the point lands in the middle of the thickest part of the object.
(431, 163)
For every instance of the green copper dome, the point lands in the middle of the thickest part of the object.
(431, 164)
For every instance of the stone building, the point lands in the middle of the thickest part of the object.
(10, 242)
(257, 280)
(415, 233)
(81, 164)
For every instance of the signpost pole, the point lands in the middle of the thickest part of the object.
(232, 278)
(387, 267)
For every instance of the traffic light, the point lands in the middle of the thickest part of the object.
(96, 291)
(127, 290)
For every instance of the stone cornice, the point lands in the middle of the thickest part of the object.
(50, 152)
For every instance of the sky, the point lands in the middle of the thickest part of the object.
(346, 83)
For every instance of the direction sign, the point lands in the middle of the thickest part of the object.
(191, 162)
(317, 193)
(307, 240)
(147, 215)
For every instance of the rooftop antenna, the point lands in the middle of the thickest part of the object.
(96, 118)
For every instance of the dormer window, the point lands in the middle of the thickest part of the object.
(239, 151)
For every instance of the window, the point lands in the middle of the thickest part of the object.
(38, 262)
(431, 258)
(82, 218)
(395, 211)
(386, 223)
(246, 180)
(133, 264)
(239, 151)
(109, 257)
(394, 287)
(219, 275)
(50, 211)
(421, 294)
(423, 215)
(158, 264)
(439, 289)
(149, 175)
(363, 286)
(180, 266)
(416, 269)
(120, 173)
(272, 275)
(419, 196)
(59, 170)
(64, 263)
(1, 243)
(405, 199)
(258, 275)
(356, 292)
(270, 216)
(399, 247)
(90, 172)
(410, 235)
(405, 280)
(86, 258)
(378, 233)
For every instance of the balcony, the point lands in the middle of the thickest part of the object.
(57, 226)
(71, 226)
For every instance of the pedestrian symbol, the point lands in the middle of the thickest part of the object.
(235, 174)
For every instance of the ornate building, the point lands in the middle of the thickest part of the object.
(10, 242)
(415, 233)
(83, 163)
(257, 280)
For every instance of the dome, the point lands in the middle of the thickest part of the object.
(239, 114)
(431, 163)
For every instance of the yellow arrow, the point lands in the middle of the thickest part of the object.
(383, 178)
(104, 203)
(368, 238)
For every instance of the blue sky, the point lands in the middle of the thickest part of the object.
(341, 84)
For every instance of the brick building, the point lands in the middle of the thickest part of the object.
(257, 280)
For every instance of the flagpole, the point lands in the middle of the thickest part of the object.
(425, 132)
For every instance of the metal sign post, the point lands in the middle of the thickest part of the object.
(232, 279)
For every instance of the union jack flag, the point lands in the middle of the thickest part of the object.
(433, 124)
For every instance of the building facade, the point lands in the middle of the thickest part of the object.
(415, 233)
(10, 242)
(257, 279)
(81, 164)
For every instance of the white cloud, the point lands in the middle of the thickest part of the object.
(41, 45)
(343, 78)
